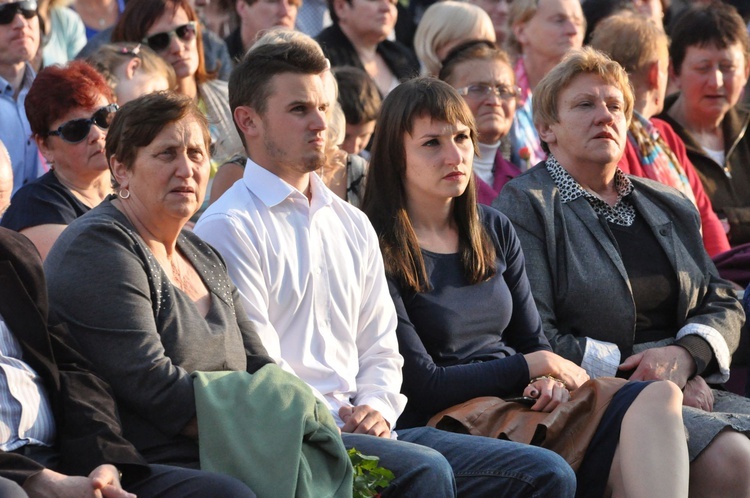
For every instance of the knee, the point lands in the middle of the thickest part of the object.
(662, 394)
(726, 461)
(212, 485)
(431, 464)
(727, 458)
(557, 477)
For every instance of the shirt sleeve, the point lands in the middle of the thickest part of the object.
(379, 377)
(432, 388)
(231, 240)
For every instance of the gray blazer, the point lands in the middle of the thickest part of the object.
(579, 281)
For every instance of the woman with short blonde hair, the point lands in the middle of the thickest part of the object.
(444, 26)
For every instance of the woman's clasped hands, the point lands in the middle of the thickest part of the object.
(553, 378)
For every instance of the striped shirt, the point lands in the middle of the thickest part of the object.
(25, 413)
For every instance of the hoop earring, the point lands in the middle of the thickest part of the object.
(123, 193)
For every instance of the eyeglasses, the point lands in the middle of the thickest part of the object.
(160, 41)
(8, 11)
(77, 130)
(480, 91)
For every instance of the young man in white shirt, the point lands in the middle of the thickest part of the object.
(310, 273)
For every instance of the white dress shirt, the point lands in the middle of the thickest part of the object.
(311, 277)
(25, 413)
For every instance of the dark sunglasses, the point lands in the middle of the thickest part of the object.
(160, 41)
(76, 130)
(8, 11)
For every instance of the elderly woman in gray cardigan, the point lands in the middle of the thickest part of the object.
(618, 270)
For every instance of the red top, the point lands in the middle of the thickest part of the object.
(714, 237)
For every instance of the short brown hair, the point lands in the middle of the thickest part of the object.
(471, 51)
(358, 95)
(250, 81)
(139, 121)
(577, 62)
(717, 23)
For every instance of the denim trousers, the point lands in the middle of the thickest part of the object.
(166, 481)
(433, 463)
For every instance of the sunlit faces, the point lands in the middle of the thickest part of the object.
(493, 114)
(182, 55)
(592, 128)
(367, 19)
(19, 40)
(84, 157)
(357, 136)
(439, 157)
(265, 14)
(293, 126)
(169, 176)
(557, 26)
(711, 80)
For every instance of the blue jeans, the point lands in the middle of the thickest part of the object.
(483, 467)
(166, 481)
(9, 489)
(419, 471)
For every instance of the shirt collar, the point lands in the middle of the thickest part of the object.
(571, 190)
(272, 190)
(28, 79)
(622, 213)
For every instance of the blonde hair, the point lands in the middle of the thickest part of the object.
(108, 58)
(578, 61)
(632, 40)
(446, 22)
(521, 11)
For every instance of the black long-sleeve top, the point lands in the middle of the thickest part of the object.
(460, 341)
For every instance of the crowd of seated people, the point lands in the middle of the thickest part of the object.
(452, 273)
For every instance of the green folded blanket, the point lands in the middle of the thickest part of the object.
(269, 430)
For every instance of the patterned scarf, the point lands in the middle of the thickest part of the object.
(622, 213)
(523, 134)
(658, 160)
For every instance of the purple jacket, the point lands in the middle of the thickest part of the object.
(504, 172)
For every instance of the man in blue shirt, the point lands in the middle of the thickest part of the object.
(19, 41)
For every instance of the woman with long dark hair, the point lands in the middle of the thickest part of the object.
(468, 327)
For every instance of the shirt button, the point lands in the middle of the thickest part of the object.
(318, 271)
(663, 231)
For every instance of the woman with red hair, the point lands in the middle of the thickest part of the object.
(69, 109)
(171, 28)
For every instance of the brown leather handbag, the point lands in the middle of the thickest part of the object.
(567, 430)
